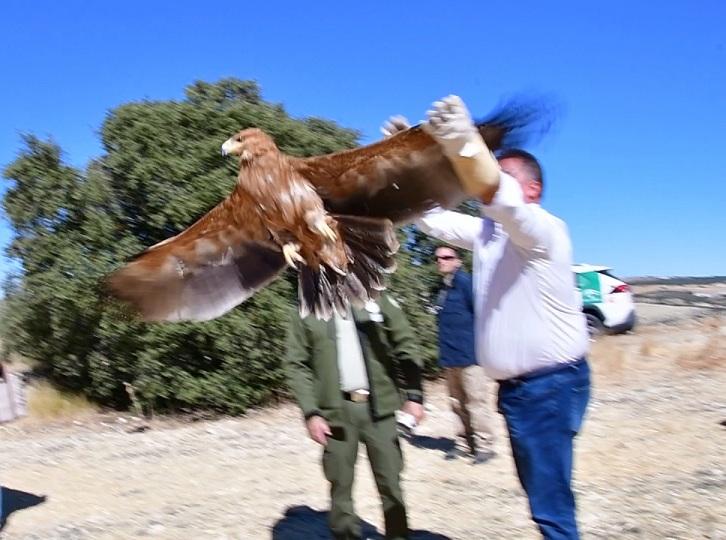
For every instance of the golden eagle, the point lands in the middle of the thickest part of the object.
(332, 217)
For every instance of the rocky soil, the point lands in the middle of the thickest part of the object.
(651, 461)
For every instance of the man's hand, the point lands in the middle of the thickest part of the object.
(395, 124)
(450, 124)
(318, 429)
(414, 409)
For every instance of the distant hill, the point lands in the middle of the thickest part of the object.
(675, 280)
(705, 291)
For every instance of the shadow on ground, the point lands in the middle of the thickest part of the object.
(14, 500)
(442, 444)
(302, 522)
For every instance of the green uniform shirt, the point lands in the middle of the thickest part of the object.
(391, 356)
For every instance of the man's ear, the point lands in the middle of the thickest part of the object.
(534, 190)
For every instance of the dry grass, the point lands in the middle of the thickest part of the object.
(46, 402)
(693, 345)
(612, 357)
(712, 355)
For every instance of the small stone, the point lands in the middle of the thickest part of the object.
(156, 529)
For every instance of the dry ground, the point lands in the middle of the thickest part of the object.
(651, 462)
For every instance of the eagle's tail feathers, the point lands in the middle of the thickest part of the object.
(371, 246)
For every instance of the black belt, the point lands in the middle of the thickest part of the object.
(554, 368)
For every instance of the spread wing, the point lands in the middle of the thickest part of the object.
(401, 177)
(204, 271)
(397, 178)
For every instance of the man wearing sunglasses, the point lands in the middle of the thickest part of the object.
(465, 379)
(530, 332)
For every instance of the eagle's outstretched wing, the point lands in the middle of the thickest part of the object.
(401, 177)
(203, 272)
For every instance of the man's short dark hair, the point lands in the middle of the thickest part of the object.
(530, 162)
(452, 248)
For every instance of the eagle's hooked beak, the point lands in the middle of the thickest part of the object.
(231, 146)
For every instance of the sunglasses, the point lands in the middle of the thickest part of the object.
(444, 257)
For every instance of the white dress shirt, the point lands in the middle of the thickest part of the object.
(351, 365)
(527, 312)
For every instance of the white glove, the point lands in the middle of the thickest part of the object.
(450, 124)
(395, 124)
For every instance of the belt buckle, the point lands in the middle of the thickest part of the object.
(359, 396)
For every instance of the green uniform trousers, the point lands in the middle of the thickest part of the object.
(384, 454)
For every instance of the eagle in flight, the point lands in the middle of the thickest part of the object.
(331, 217)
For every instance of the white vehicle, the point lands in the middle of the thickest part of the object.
(606, 300)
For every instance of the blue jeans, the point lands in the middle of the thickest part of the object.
(543, 415)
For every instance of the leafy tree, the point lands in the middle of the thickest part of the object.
(52, 309)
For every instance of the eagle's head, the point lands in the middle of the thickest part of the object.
(249, 144)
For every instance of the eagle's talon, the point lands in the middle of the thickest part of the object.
(325, 230)
(291, 252)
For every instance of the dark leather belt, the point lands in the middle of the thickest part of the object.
(554, 368)
(357, 396)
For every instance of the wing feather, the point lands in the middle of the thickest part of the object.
(203, 272)
(397, 178)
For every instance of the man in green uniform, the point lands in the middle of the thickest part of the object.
(349, 376)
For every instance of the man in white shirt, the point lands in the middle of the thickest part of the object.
(530, 332)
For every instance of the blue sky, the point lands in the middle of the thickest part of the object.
(634, 165)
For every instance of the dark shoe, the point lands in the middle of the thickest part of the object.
(482, 456)
(471, 443)
(453, 453)
(479, 455)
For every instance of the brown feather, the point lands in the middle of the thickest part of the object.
(398, 178)
(203, 272)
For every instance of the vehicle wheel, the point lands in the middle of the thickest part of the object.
(595, 327)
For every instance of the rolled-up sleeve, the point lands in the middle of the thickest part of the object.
(454, 228)
(527, 225)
